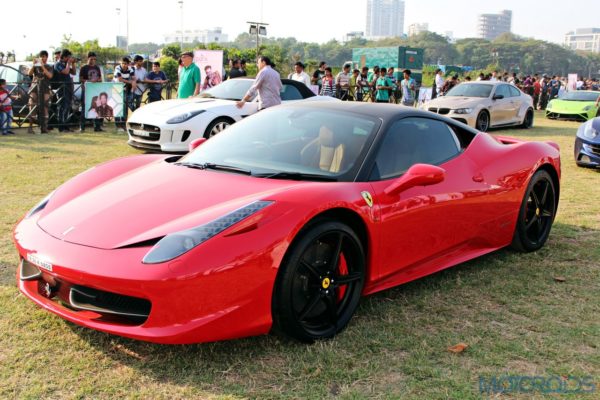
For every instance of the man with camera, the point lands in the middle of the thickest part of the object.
(63, 70)
(40, 94)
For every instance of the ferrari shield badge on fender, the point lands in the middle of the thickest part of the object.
(368, 198)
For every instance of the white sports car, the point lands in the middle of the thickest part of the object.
(170, 125)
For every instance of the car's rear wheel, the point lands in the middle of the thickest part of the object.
(536, 214)
(320, 282)
(216, 127)
(528, 120)
(483, 121)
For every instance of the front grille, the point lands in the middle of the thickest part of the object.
(85, 298)
(443, 111)
(594, 149)
(144, 127)
(433, 109)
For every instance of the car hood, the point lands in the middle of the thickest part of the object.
(570, 105)
(152, 201)
(172, 108)
(455, 102)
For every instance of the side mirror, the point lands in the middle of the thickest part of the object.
(498, 97)
(195, 143)
(417, 175)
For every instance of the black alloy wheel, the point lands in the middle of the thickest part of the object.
(320, 282)
(528, 120)
(536, 214)
(483, 121)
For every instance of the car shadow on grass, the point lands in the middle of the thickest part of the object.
(256, 364)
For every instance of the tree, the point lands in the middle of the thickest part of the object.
(172, 50)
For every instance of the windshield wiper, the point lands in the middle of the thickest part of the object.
(216, 167)
(297, 176)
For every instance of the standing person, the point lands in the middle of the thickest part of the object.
(6, 112)
(189, 79)
(235, 71)
(328, 84)
(362, 84)
(352, 93)
(392, 77)
(438, 83)
(373, 82)
(383, 84)
(494, 77)
(63, 70)
(537, 88)
(267, 84)
(317, 78)
(42, 73)
(343, 82)
(449, 84)
(299, 75)
(158, 79)
(140, 81)
(408, 89)
(544, 93)
(125, 74)
(89, 73)
(243, 68)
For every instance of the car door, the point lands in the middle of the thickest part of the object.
(516, 100)
(500, 110)
(424, 222)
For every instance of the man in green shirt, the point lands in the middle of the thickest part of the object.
(189, 77)
(383, 85)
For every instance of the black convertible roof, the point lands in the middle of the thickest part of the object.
(381, 110)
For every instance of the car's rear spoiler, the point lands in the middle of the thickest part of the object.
(514, 140)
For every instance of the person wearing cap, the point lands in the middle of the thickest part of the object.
(89, 73)
(189, 78)
(299, 74)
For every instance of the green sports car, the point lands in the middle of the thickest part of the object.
(580, 105)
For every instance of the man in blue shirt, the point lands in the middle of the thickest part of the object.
(159, 78)
(63, 70)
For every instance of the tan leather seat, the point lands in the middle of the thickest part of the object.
(326, 152)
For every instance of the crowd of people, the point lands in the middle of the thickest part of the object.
(53, 87)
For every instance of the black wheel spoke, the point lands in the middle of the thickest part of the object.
(335, 257)
(311, 268)
(535, 198)
(547, 214)
(545, 195)
(346, 279)
(312, 303)
(540, 227)
(331, 302)
(533, 220)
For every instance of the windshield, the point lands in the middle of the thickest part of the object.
(292, 142)
(471, 90)
(231, 89)
(581, 96)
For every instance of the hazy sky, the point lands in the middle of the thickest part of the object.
(39, 24)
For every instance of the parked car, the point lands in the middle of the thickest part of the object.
(587, 144)
(170, 125)
(483, 105)
(577, 105)
(281, 222)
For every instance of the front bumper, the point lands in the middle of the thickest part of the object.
(587, 153)
(467, 119)
(225, 297)
(580, 116)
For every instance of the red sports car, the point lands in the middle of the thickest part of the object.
(281, 223)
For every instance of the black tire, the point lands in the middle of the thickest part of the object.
(483, 121)
(217, 126)
(536, 213)
(319, 283)
(528, 120)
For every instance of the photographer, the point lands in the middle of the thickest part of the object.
(63, 69)
(40, 93)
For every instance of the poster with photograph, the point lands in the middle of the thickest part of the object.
(210, 63)
(103, 100)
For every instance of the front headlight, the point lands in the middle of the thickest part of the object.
(588, 131)
(587, 108)
(184, 117)
(39, 206)
(463, 111)
(549, 106)
(178, 243)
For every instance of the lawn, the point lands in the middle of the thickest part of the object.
(532, 314)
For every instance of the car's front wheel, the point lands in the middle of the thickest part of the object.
(483, 121)
(536, 214)
(320, 282)
(216, 127)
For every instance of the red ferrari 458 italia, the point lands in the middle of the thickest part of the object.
(282, 222)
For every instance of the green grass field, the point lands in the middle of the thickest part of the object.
(515, 316)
